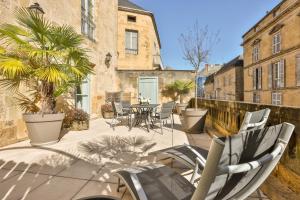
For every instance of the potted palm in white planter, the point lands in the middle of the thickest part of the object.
(177, 91)
(196, 46)
(39, 61)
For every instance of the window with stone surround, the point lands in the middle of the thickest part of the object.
(298, 69)
(87, 19)
(257, 78)
(276, 98)
(256, 97)
(276, 43)
(131, 42)
(255, 53)
(277, 74)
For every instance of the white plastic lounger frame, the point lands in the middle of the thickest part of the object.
(246, 125)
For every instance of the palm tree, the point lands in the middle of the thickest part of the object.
(45, 58)
(178, 89)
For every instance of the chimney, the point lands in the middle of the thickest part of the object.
(206, 67)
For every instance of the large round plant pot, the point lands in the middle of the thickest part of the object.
(43, 129)
(180, 107)
(194, 120)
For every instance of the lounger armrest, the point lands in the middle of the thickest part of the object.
(196, 169)
(245, 167)
(200, 159)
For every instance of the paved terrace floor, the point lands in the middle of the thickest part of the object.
(81, 164)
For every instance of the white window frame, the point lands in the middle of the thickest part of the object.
(276, 43)
(297, 70)
(276, 98)
(278, 74)
(131, 49)
(87, 19)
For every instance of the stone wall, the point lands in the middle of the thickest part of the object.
(148, 44)
(286, 16)
(12, 128)
(128, 81)
(226, 117)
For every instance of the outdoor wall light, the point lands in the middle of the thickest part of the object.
(36, 8)
(108, 58)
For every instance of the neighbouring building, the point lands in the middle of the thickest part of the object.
(203, 74)
(272, 57)
(227, 82)
(140, 69)
(138, 39)
(97, 21)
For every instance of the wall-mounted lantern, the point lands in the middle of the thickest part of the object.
(108, 58)
(36, 8)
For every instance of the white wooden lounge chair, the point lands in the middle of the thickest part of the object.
(187, 154)
(236, 166)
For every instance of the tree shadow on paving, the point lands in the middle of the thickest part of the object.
(116, 149)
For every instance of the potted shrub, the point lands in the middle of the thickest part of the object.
(107, 111)
(40, 61)
(177, 90)
(76, 120)
(196, 46)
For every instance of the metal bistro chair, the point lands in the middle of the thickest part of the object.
(120, 113)
(165, 114)
(235, 168)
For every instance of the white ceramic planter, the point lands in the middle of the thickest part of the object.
(43, 129)
(180, 107)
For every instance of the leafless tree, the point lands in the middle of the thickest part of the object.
(197, 45)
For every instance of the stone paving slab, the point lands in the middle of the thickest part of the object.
(82, 163)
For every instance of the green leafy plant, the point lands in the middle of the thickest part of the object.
(43, 58)
(178, 89)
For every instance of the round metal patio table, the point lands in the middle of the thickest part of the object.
(142, 113)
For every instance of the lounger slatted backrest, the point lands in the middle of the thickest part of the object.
(255, 120)
(236, 166)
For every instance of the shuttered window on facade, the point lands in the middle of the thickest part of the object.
(257, 78)
(298, 69)
(276, 98)
(276, 75)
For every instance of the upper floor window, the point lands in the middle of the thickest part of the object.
(131, 40)
(87, 19)
(255, 53)
(277, 75)
(131, 18)
(276, 98)
(257, 78)
(276, 44)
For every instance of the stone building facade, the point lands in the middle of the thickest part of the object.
(272, 57)
(203, 74)
(101, 38)
(227, 83)
(138, 39)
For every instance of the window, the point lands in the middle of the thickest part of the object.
(277, 75)
(131, 18)
(257, 78)
(276, 43)
(131, 42)
(87, 20)
(276, 98)
(298, 69)
(255, 53)
(256, 97)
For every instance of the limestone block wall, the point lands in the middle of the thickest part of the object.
(128, 81)
(12, 128)
(227, 116)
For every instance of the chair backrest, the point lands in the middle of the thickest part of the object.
(255, 120)
(167, 109)
(117, 107)
(236, 166)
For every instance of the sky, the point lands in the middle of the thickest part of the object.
(231, 18)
